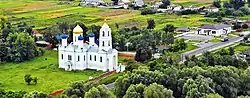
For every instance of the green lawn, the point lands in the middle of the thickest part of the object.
(50, 78)
(241, 48)
(189, 48)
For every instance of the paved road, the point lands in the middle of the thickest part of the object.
(210, 48)
(111, 85)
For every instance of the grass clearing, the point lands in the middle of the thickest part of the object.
(241, 48)
(189, 48)
(50, 78)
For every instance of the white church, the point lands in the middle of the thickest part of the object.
(79, 55)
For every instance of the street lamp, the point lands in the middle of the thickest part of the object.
(127, 44)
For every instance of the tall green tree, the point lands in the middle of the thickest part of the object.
(135, 91)
(151, 24)
(99, 92)
(169, 28)
(199, 87)
(237, 3)
(157, 91)
(22, 47)
(217, 3)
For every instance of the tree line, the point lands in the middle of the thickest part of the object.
(17, 43)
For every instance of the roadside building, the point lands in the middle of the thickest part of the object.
(91, 2)
(156, 6)
(211, 9)
(214, 30)
(138, 3)
(182, 29)
(192, 8)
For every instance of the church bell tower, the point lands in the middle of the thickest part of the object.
(105, 38)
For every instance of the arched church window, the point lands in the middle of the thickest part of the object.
(95, 57)
(75, 38)
(102, 43)
(109, 43)
(84, 57)
(90, 57)
(62, 56)
(78, 58)
(100, 59)
(69, 57)
(103, 33)
(108, 33)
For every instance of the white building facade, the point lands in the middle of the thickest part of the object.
(80, 56)
(214, 30)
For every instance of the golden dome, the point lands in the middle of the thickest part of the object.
(77, 30)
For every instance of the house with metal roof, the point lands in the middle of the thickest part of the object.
(214, 30)
(91, 2)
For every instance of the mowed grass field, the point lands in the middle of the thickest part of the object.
(43, 14)
(50, 78)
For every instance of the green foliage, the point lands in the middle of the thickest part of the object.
(199, 87)
(178, 45)
(12, 94)
(135, 91)
(169, 28)
(77, 89)
(238, 13)
(99, 92)
(22, 47)
(27, 78)
(213, 96)
(157, 91)
(151, 24)
(35, 94)
(147, 11)
(217, 3)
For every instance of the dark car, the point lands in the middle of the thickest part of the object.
(224, 39)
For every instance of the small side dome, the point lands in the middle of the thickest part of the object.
(91, 34)
(58, 37)
(80, 37)
(77, 30)
(64, 36)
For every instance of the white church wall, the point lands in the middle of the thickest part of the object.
(81, 56)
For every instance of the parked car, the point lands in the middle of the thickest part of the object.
(224, 39)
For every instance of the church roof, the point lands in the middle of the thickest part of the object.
(105, 25)
(77, 30)
(110, 51)
(93, 49)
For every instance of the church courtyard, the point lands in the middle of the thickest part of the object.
(45, 68)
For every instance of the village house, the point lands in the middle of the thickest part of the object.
(211, 9)
(182, 29)
(177, 8)
(138, 3)
(124, 3)
(214, 30)
(156, 6)
(192, 8)
(91, 2)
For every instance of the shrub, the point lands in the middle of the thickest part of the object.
(238, 13)
(244, 26)
(147, 11)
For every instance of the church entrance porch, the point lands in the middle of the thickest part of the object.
(68, 65)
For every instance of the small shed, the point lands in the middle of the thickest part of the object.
(182, 29)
